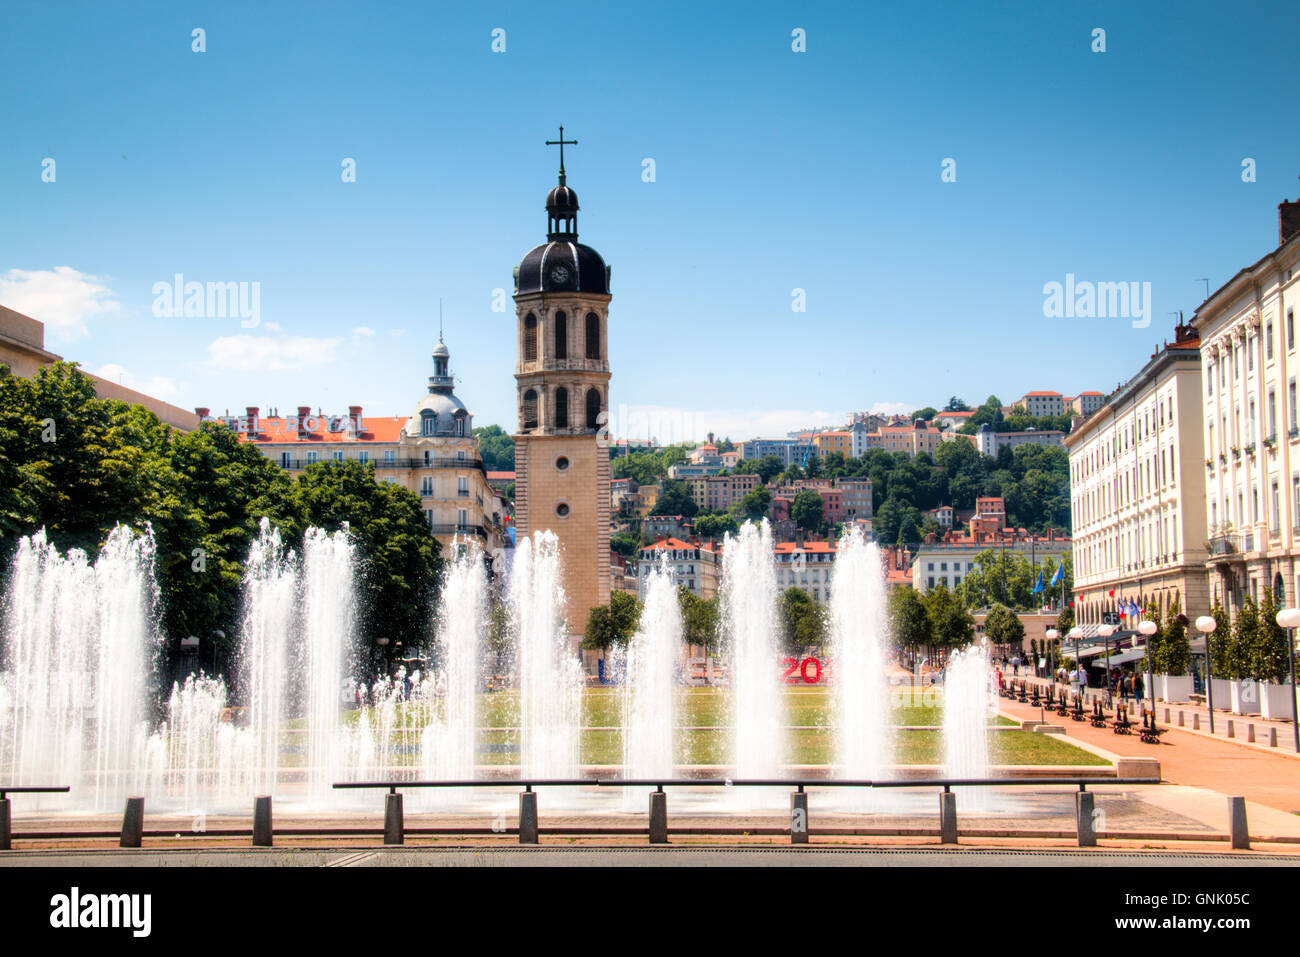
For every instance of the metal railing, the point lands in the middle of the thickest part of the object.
(394, 831)
(6, 817)
(528, 830)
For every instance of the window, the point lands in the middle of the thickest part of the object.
(462, 520)
(530, 338)
(426, 485)
(561, 408)
(530, 410)
(311, 458)
(390, 456)
(285, 459)
(338, 456)
(462, 487)
(363, 456)
(593, 409)
(1290, 329)
(1268, 331)
(1272, 414)
(593, 336)
(562, 509)
(561, 336)
(428, 422)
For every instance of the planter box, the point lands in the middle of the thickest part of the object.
(1273, 701)
(1245, 696)
(1176, 688)
(1222, 694)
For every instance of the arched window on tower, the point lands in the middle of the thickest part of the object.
(593, 336)
(530, 338)
(561, 408)
(530, 410)
(561, 336)
(593, 409)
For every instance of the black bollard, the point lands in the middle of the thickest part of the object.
(799, 817)
(658, 817)
(133, 823)
(262, 821)
(947, 818)
(394, 826)
(528, 817)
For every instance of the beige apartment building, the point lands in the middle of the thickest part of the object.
(1251, 424)
(1137, 491)
(696, 567)
(22, 349)
(433, 452)
(720, 492)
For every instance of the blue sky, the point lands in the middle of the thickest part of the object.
(775, 170)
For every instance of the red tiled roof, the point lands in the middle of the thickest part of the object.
(275, 430)
(785, 548)
(503, 476)
(673, 543)
(1027, 394)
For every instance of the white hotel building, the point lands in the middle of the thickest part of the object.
(1251, 423)
(1137, 491)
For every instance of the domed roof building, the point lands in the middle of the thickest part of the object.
(440, 413)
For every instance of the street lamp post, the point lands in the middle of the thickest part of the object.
(1206, 625)
(1289, 618)
(1147, 629)
(1074, 633)
(1052, 635)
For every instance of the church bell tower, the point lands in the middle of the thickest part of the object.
(562, 381)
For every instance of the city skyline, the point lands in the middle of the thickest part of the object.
(1057, 177)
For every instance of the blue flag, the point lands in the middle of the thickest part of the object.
(1038, 585)
(1060, 573)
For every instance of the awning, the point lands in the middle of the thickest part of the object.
(1123, 658)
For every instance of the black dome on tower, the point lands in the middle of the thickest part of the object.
(562, 264)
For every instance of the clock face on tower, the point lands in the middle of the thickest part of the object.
(559, 274)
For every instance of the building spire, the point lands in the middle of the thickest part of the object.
(561, 143)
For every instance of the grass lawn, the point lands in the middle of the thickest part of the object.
(703, 738)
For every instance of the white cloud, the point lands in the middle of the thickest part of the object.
(63, 298)
(158, 386)
(271, 326)
(266, 354)
(363, 331)
(668, 424)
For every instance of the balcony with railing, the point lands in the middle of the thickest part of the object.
(408, 463)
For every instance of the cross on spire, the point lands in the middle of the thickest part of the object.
(561, 143)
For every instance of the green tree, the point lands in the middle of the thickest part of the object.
(806, 510)
(767, 468)
(1003, 626)
(1175, 651)
(496, 448)
(612, 624)
(716, 525)
(802, 623)
(909, 624)
(699, 619)
(675, 499)
(1269, 660)
(400, 567)
(951, 625)
(754, 505)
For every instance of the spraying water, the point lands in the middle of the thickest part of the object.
(968, 699)
(650, 683)
(448, 745)
(268, 634)
(859, 652)
(749, 627)
(79, 649)
(326, 651)
(549, 674)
